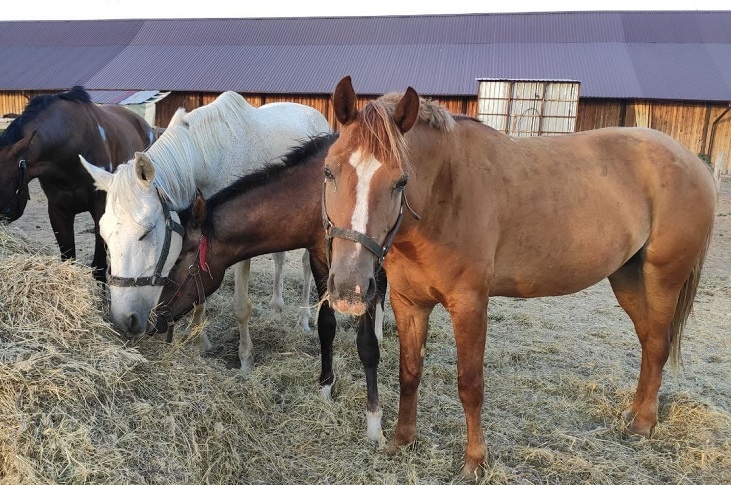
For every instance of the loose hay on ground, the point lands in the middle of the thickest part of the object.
(80, 405)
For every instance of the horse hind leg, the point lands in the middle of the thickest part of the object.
(648, 293)
(276, 305)
(242, 312)
(304, 313)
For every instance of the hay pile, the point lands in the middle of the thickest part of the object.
(80, 405)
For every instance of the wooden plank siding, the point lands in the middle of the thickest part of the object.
(691, 123)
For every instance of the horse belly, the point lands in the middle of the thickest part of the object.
(551, 264)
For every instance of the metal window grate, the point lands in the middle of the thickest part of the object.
(528, 108)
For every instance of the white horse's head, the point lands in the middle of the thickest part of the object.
(136, 223)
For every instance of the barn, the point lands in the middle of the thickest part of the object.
(79, 404)
(667, 70)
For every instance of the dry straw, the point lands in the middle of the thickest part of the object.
(78, 404)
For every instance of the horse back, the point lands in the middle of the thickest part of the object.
(124, 131)
(539, 209)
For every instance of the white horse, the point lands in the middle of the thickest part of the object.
(205, 149)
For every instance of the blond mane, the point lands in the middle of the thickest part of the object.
(376, 133)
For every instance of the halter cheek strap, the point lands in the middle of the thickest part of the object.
(157, 279)
(380, 251)
(21, 188)
(194, 274)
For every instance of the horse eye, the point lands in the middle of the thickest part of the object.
(328, 174)
(144, 235)
(401, 183)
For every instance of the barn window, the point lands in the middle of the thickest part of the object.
(528, 107)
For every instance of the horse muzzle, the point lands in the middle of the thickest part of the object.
(132, 324)
(350, 297)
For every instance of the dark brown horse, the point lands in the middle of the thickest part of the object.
(275, 209)
(510, 217)
(45, 141)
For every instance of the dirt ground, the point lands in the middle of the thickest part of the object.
(558, 373)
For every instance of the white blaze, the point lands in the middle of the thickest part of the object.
(365, 169)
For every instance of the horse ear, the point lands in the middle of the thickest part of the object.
(199, 209)
(144, 169)
(344, 101)
(23, 144)
(102, 178)
(407, 110)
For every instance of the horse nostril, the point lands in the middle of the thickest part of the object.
(135, 324)
(371, 292)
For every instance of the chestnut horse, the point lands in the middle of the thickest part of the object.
(277, 208)
(512, 217)
(45, 142)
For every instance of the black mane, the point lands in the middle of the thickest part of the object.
(297, 156)
(36, 106)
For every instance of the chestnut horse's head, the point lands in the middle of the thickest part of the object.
(366, 171)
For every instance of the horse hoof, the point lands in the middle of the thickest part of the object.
(246, 366)
(472, 472)
(303, 321)
(636, 427)
(276, 307)
(392, 447)
(204, 345)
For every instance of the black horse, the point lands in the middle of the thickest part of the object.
(276, 209)
(45, 141)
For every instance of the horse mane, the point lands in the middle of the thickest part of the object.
(271, 172)
(191, 138)
(171, 156)
(378, 136)
(37, 105)
(430, 112)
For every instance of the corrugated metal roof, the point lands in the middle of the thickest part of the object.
(654, 55)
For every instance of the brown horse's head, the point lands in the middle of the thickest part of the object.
(190, 280)
(366, 171)
(14, 153)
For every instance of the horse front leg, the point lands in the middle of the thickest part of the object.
(242, 312)
(99, 262)
(370, 333)
(276, 305)
(412, 322)
(62, 223)
(326, 327)
(204, 344)
(304, 313)
(469, 322)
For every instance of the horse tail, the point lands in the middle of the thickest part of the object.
(685, 301)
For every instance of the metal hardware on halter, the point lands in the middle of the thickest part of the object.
(194, 274)
(380, 251)
(157, 279)
(21, 187)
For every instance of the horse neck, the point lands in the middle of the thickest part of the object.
(177, 172)
(281, 215)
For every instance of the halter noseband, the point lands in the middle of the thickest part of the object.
(380, 251)
(157, 279)
(21, 187)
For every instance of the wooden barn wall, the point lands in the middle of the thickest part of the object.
(191, 100)
(14, 102)
(691, 123)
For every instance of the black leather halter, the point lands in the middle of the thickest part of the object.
(380, 251)
(22, 188)
(157, 279)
